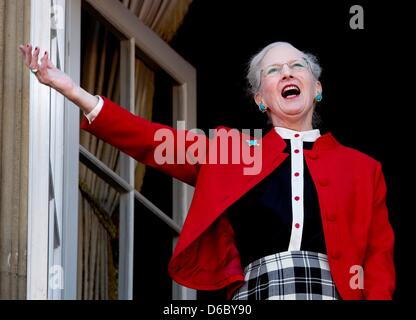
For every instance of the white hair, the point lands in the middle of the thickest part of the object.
(254, 69)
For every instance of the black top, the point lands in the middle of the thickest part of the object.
(262, 218)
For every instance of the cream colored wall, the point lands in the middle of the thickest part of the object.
(14, 129)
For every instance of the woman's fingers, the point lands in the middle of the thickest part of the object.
(43, 66)
(35, 59)
(44, 62)
(26, 51)
(28, 56)
(31, 59)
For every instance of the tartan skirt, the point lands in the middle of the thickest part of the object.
(290, 275)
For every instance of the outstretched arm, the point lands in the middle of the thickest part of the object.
(113, 124)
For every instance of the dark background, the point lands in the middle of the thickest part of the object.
(367, 101)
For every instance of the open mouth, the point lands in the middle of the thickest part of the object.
(290, 91)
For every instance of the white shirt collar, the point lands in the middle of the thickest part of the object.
(307, 136)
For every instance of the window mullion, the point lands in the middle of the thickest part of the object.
(127, 96)
(71, 54)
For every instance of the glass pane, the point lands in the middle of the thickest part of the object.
(100, 74)
(98, 248)
(152, 253)
(153, 238)
(157, 186)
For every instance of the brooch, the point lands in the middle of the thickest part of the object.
(252, 143)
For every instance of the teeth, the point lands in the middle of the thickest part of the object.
(291, 88)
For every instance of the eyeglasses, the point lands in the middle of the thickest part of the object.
(297, 65)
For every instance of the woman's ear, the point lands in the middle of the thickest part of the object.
(258, 99)
(318, 87)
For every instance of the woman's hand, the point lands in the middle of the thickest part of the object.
(47, 73)
(51, 76)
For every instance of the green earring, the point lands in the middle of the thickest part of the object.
(262, 108)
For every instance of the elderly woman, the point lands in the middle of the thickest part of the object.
(311, 224)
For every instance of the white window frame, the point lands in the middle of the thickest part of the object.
(71, 159)
(53, 161)
(38, 197)
(139, 36)
(56, 132)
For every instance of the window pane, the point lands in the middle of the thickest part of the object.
(98, 248)
(152, 253)
(100, 74)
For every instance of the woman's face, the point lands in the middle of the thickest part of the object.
(288, 87)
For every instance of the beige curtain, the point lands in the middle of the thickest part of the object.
(14, 146)
(98, 202)
(163, 16)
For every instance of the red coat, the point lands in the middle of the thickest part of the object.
(351, 192)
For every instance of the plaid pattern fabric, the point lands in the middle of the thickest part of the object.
(290, 275)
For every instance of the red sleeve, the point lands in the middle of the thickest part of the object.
(379, 272)
(135, 136)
